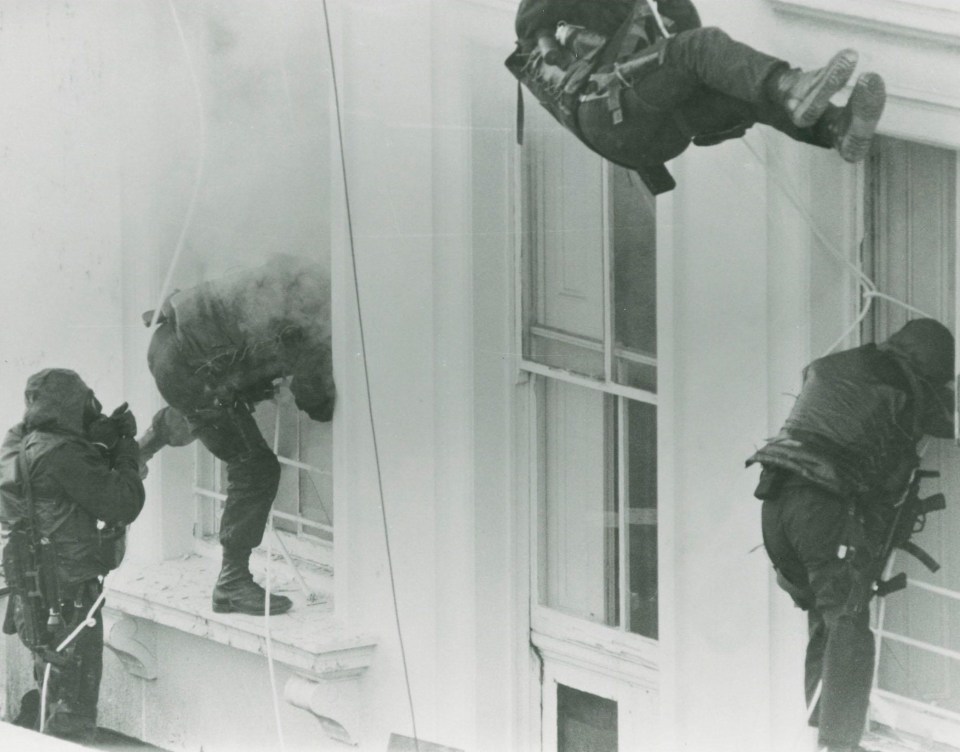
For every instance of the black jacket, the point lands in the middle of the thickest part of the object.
(855, 425)
(73, 484)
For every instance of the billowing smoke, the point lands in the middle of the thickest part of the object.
(284, 298)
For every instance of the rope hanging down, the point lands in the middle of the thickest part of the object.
(198, 177)
(366, 371)
(868, 287)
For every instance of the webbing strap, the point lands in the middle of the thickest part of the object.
(636, 30)
(655, 12)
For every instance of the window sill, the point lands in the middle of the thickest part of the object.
(626, 657)
(931, 20)
(176, 594)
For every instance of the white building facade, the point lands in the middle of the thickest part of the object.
(566, 375)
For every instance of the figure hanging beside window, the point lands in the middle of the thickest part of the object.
(840, 490)
(638, 83)
(216, 353)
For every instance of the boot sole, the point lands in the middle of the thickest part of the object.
(835, 75)
(866, 106)
(227, 607)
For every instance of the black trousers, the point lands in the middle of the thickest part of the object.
(803, 528)
(706, 84)
(231, 434)
(73, 688)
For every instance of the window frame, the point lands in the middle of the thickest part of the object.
(904, 713)
(207, 501)
(611, 651)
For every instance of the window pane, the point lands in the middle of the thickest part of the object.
(642, 510)
(910, 251)
(316, 487)
(579, 521)
(634, 244)
(563, 249)
(585, 722)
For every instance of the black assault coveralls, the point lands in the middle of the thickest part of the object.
(216, 353)
(74, 485)
(848, 445)
(706, 88)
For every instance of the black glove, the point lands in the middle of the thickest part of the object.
(125, 421)
(103, 432)
(126, 454)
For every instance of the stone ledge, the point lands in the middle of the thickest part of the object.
(176, 594)
(882, 738)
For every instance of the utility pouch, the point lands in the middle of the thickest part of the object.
(557, 89)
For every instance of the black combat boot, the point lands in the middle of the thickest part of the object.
(236, 591)
(806, 94)
(852, 127)
(29, 715)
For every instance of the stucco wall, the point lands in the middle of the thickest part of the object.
(100, 155)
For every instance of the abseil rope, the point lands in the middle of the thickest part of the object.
(655, 11)
(198, 176)
(366, 373)
(868, 287)
(274, 694)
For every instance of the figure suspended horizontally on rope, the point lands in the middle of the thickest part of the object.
(216, 353)
(840, 490)
(608, 72)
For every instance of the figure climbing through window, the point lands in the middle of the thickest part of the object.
(216, 353)
(638, 83)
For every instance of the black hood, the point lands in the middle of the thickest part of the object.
(56, 400)
(927, 347)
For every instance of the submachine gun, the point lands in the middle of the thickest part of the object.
(910, 516)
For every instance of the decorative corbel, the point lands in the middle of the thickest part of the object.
(124, 640)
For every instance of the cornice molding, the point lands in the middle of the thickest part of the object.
(509, 6)
(929, 21)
